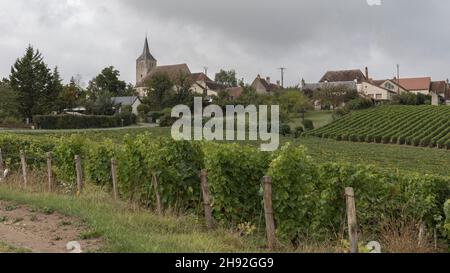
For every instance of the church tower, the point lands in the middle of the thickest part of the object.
(145, 63)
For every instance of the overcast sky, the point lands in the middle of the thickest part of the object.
(253, 36)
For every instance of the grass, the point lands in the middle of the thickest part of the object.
(133, 230)
(6, 248)
(319, 118)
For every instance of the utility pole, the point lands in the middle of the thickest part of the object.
(398, 79)
(282, 69)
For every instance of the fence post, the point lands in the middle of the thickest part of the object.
(351, 216)
(24, 168)
(49, 172)
(114, 178)
(206, 200)
(79, 174)
(270, 224)
(1, 163)
(158, 198)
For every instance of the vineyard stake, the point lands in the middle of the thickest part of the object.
(270, 224)
(352, 223)
(49, 172)
(79, 174)
(114, 178)
(24, 168)
(206, 200)
(1, 164)
(158, 198)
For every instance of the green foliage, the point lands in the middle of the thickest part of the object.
(355, 104)
(98, 162)
(159, 94)
(176, 165)
(293, 181)
(84, 121)
(308, 124)
(235, 174)
(227, 78)
(447, 218)
(36, 86)
(108, 81)
(298, 131)
(425, 126)
(9, 103)
(285, 130)
(411, 99)
(64, 156)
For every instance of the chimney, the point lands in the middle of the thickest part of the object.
(367, 73)
(278, 84)
(259, 77)
(268, 79)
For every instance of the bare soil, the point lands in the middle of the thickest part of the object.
(43, 231)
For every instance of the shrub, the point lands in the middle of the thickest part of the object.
(293, 183)
(447, 219)
(298, 131)
(308, 124)
(285, 129)
(166, 120)
(98, 163)
(64, 156)
(235, 174)
(83, 122)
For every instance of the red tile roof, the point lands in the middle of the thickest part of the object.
(414, 84)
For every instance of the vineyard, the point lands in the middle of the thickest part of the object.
(308, 200)
(425, 126)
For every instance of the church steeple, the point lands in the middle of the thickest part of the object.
(145, 63)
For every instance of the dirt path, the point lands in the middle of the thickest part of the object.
(42, 231)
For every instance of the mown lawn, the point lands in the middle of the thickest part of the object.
(126, 229)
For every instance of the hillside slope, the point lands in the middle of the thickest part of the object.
(426, 126)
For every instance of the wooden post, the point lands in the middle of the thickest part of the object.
(114, 178)
(24, 168)
(270, 224)
(158, 198)
(206, 200)
(79, 174)
(352, 223)
(1, 164)
(49, 172)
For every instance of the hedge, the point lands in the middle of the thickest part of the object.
(52, 122)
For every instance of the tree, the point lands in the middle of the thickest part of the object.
(70, 96)
(102, 104)
(33, 82)
(183, 92)
(293, 101)
(9, 103)
(227, 78)
(335, 95)
(160, 87)
(108, 81)
(50, 102)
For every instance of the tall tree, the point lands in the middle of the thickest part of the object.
(227, 78)
(31, 79)
(49, 102)
(160, 89)
(108, 81)
(9, 103)
(70, 96)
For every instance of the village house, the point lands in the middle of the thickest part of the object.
(264, 86)
(203, 85)
(132, 101)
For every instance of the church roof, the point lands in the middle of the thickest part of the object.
(146, 55)
(172, 71)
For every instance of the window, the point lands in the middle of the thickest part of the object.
(389, 86)
(379, 96)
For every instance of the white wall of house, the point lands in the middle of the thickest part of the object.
(197, 88)
(425, 92)
(135, 106)
(393, 86)
(375, 92)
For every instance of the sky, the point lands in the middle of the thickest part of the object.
(308, 37)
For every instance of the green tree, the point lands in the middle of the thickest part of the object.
(102, 104)
(227, 78)
(33, 82)
(335, 95)
(70, 96)
(9, 103)
(183, 92)
(108, 81)
(294, 102)
(160, 89)
(50, 102)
